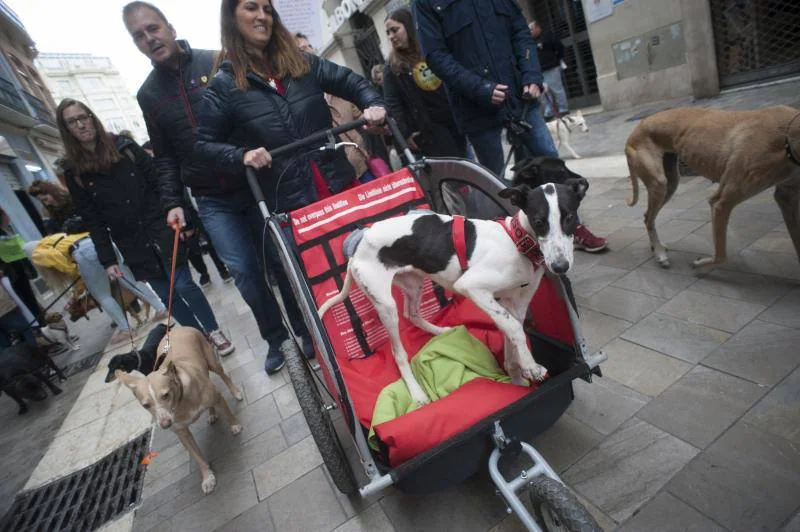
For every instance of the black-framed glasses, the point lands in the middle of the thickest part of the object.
(83, 118)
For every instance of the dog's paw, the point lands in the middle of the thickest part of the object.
(236, 429)
(209, 483)
(703, 261)
(535, 373)
(238, 395)
(419, 396)
(663, 262)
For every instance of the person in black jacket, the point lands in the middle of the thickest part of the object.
(415, 96)
(114, 189)
(198, 242)
(267, 94)
(551, 55)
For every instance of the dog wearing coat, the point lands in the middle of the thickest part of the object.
(496, 276)
(746, 152)
(182, 389)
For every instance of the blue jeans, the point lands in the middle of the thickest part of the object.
(15, 322)
(553, 79)
(96, 280)
(189, 305)
(489, 148)
(236, 228)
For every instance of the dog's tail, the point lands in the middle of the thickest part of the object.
(338, 298)
(634, 180)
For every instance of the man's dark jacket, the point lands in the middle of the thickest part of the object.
(551, 51)
(123, 203)
(170, 101)
(473, 45)
(233, 121)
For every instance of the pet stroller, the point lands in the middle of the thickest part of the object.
(445, 442)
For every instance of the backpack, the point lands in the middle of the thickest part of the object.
(54, 252)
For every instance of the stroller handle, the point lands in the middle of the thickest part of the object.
(250, 172)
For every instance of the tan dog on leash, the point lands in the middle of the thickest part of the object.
(182, 389)
(746, 152)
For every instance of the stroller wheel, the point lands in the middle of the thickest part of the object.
(320, 424)
(557, 509)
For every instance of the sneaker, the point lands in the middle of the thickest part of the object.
(205, 280)
(585, 240)
(226, 276)
(223, 345)
(275, 357)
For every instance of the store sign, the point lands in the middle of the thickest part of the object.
(343, 12)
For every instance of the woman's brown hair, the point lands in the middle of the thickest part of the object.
(401, 61)
(284, 58)
(105, 152)
(61, 208)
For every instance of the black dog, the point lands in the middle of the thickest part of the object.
(536, 171)
(141, 360)
(23, 370)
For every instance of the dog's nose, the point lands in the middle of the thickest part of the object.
(560, 266)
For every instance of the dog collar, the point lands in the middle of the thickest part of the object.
(526, 244)
(460, 241)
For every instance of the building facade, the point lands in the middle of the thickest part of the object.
(29, 139)
(620, 53)
(94, 81)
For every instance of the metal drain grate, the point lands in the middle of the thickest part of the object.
(83, 364)
(86, 499)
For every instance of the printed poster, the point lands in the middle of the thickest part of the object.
(598, 9)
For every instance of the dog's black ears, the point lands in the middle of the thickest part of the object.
(527, 164)
(516, 195)
(579, 186)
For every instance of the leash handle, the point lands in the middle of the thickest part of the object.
(175, 243)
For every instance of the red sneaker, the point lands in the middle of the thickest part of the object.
(224, 346)
(585, 240)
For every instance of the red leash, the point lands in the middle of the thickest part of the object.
(175, 243)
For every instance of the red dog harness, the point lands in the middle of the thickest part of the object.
(525, 243)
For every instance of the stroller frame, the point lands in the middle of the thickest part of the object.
(380, 479)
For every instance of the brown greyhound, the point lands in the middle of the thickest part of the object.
(746, 152)
(182, 389)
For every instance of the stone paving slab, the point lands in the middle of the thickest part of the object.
(665, 513)
(643, 370)
(746, 480)
(701, 405)
(629, 467)
(760, 352)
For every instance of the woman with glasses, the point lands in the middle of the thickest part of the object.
(266, 94)
(416, 96)
(114, 189)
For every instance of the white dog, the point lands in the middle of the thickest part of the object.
(498, 265)
(561, 129)
(56, 331)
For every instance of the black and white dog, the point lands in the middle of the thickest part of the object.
(499, 272)
(142, 360)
